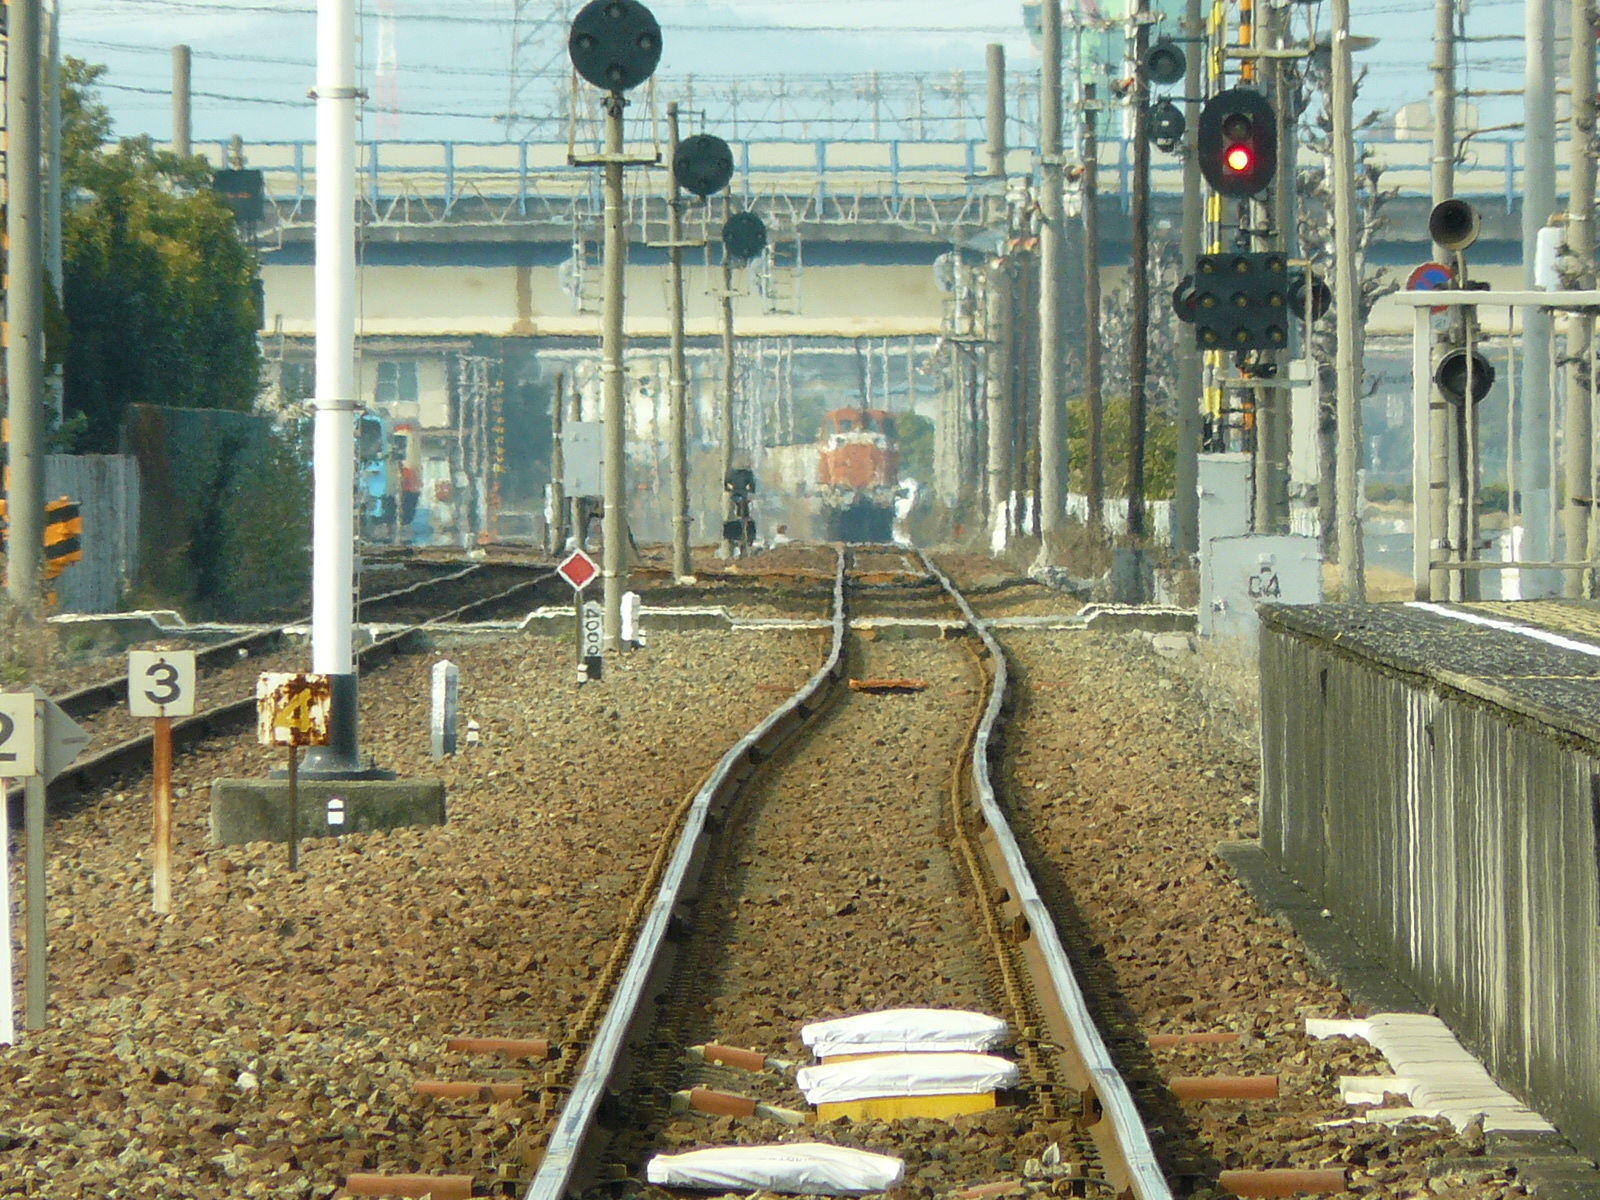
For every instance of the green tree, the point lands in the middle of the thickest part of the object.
(158, 287)
(1160, 449)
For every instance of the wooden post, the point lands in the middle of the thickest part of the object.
(161, 833)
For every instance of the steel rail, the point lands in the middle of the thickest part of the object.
(132, 756)
(1111, 1116)
(567, 1160)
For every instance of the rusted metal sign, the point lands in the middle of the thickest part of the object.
(293, 709)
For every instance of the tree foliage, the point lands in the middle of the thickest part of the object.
(158, 286)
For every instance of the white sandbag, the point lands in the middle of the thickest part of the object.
(906, 1075)
(798, 1169)
(904, 1031)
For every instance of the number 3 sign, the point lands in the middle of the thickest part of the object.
(161, 683)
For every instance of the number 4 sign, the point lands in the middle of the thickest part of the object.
(161, 683)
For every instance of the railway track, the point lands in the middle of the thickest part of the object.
(223, 664)
(842, 855)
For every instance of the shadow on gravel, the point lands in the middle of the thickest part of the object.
(1184, 1156)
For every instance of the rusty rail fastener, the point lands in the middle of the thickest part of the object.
(1218, 1038)
(513, 1047)
(888, 685)
(1282, 1182)
(726, 1104)
(450, 1089)
(732, 1056)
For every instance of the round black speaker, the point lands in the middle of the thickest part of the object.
(615, 44)
(1453, 224)
(1166, 124)
(703, 164)
(744, 235)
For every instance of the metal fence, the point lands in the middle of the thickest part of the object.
(818, 181)
(106, 489)
(1454, 836)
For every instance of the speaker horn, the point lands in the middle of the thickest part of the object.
(1453, 224)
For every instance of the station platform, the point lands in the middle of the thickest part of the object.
(1431, 783)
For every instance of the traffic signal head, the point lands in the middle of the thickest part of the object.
(1321, 297)
(703, 164)
(1451, 377)
(1166, 125)
(1453, 224)
(615, 44)
(1164, 63)
(1240, 301)
(1238, 142)
(744, 235)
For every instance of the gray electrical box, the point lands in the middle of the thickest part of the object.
(1224, 496)
(582, 462)
(1238, 573)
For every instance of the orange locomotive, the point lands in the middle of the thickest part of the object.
(858, 470)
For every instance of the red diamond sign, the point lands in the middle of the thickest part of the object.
(578, 569)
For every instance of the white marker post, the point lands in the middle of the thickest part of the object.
(37, 742)
(18, 760)
(161, 684)
(446, 684)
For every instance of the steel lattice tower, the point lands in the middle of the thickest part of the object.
(536, 102)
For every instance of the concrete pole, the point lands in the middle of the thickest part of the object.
(1345, 299)
(181, 65)
(1538, 202)
(1577, 447)
(52, 194)
(995, 115)
(678, 380)
(613, 386)
(997, 376)
(554, 538)
(334, 451)
(1051, 443)
(1443, 179)
(1186, 484)
(1278, 431)
(25, 311)
(1093, 400)
(725, 400)
(1139, 274)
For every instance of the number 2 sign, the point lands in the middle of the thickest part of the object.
(18, 746)
(161, 683)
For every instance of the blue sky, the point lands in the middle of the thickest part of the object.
(253, 58)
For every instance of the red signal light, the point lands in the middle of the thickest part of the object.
(1238, 158)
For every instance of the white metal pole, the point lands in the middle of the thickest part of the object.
(333, 554)
(614, 410)
(1423, 522)
(1352, 576)
(24, 310)
(1052, 244)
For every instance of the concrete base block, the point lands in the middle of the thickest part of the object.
(257, 810)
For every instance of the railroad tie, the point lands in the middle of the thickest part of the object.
(1282, 1182)
(439, 1187)
(451, 1089)
(538, 1048)
(1224, 1087)
(1222, 1037)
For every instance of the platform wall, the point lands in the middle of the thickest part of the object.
(1457, 842)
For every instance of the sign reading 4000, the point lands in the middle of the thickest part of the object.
(292, 709)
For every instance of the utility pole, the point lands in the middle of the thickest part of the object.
(613, 395)
(1277, 401)
(334, 452)
(1091, 312)
(52, 190)
(1443, 181)
(1139, 272)
(181, 67)
(1186, 483)
(25, 313)
(725, 400)
(1538, 202)
(997, 331)
(1577, 451)
(1345, 299)
(1050, 501)
(678, 383)
(556, 539)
